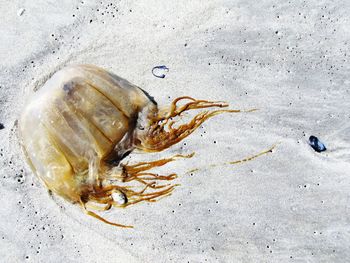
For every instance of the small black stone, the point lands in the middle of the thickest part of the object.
(2, 126)
(316, 144)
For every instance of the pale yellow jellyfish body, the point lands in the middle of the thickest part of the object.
(77, 128)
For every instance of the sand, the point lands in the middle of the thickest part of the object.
(290, 60)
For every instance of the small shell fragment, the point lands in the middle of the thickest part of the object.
(119, 197)
(159, 71)
(20, 11)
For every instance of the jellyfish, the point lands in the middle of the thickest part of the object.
(77, 128)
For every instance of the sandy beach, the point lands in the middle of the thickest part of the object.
(288, 59)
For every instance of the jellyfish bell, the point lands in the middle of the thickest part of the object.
(72, 122)
(77, 128)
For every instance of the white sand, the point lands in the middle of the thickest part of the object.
(288, 59)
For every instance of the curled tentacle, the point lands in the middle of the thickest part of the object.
(162, 134)
(136, 182)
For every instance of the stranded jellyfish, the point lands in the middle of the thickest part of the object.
(77, 128)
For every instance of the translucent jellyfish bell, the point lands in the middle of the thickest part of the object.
(77, 128)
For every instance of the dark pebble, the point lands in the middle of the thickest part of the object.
(2, 126)
(316, 144)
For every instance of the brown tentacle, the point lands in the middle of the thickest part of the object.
(150, 192)
(90, 213)
(144, 166)
(161, 133)
(99, 208)
(253, 156)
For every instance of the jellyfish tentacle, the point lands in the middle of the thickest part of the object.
(246, 159)
(99, 198)
(106, 207)
(144, 166)
(130, 172)
(161, 133)
(151, 197)
(152, 176)
(152, 184)
(134, 197)
(193, 104)
(138, 172)
(93, 214)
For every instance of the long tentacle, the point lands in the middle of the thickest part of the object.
(133, 173)
(161, 134)
(90, 213)
(144, 166)
(253, 156)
